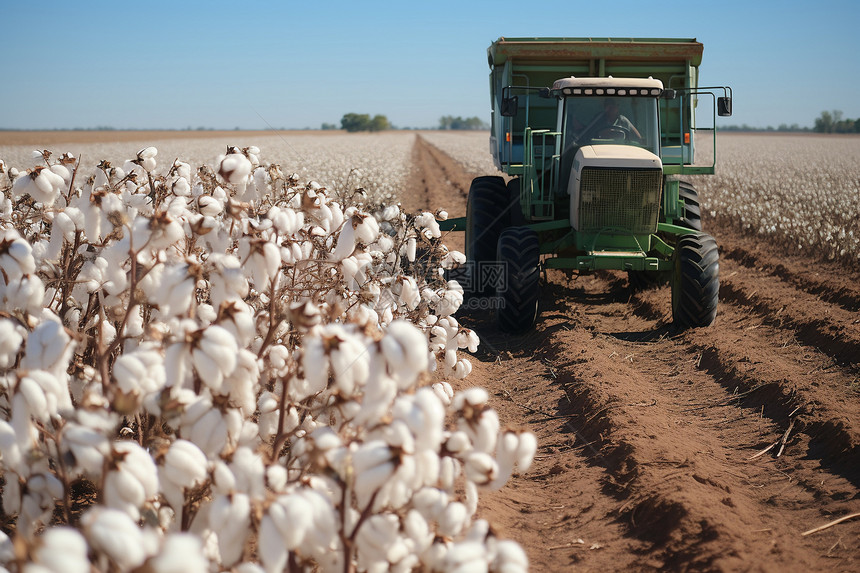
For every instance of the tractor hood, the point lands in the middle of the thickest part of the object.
(622, 156)
(615, 188)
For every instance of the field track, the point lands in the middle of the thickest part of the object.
(652, 442)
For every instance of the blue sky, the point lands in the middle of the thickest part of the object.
(255, 65)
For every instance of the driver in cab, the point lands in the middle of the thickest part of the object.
(611, 119)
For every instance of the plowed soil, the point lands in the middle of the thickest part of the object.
(712, 449)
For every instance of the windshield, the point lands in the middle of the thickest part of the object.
(611, 120)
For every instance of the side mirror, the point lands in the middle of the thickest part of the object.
(509, 106)
(724, 106)
(544, 93)
(667, 94)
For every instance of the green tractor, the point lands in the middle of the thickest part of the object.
(597, 161)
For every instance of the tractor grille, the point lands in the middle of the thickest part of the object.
(626, 199)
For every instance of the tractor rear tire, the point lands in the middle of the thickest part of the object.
(692, 208)
(695, 281)
(519, 252)
(486, 218)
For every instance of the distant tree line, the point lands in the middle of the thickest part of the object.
(363, 122)
(832, 122)
(827, 122)
(451, 122)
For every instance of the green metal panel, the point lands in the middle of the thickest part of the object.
(609, 262)
(591, 49)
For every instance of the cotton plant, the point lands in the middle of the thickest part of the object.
(251, 372)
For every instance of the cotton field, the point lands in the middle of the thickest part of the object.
(379, 163)
(801, 191)
(248, 370)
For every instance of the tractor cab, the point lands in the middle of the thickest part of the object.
(605, 112)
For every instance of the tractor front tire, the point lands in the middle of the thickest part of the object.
(486, 218)
(695, 281)
(519, 253)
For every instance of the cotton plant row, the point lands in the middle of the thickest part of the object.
(802, 192)
(250, 372)
(471, 149)
(328, 159)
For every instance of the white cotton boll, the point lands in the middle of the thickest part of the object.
(88, 447)
(467, 338)
(11, 337)
(449, 471)
(26, 294)
(116, 535)
(411, 248)
(170, 287)
(234, 168)
(248, 467)
(230, 518)
(480, 468)
(526, 449)
(270, 546)
(180, 553)
(462, 369)
(214, 356)
(209, 206)
(17, 258)
(444, 392)
(405, 350)
(204, 426)
(292, 515)
(427, 222)
(10, 448)
(62, 550)
(346, 243)
(410, 296)
(453, 519)
(467, 557)
(133, 482)
(181, 187)
(62, 171)
(185, 466)
(373, 463)
(509, 558)
(366, 228)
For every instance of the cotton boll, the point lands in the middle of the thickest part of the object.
(453, 519)
(62, 550)
(509, 558)
(88, 447)
(405, 350)
(180, 553)
(38, 502)
(234, 168)
(480, 468)
(113, 534)
(213, 354)
(230, 518)
(184, 466)
(11, 337)
(133, 482)
(16, 258)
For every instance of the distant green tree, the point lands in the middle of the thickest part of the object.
(328, 126)
(833, 122)
(824, 123)
(451, 122)
(379, 123)
(363, 122)
(355, 122)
